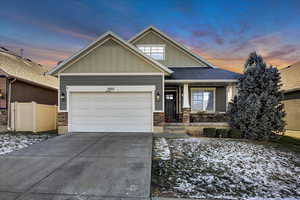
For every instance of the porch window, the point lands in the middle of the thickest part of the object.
(157, 52)
(202, 99)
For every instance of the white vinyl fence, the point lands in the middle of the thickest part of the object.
(33, 117)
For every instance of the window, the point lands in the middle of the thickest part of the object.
(155, 51)
(202, 99)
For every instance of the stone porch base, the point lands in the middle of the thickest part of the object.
(194, 129)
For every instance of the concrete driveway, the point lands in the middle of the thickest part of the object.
(80, 166)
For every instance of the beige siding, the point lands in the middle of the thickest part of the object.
(292, 114)
(111, 57)
(174, 56)
(291, 76)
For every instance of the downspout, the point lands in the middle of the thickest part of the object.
(9, 105)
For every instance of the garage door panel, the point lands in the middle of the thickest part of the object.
(111, 112)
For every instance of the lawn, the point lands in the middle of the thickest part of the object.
(225, 169)
(11, 142)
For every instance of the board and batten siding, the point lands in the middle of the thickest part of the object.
(221, 99)
(110, 81)
(111, 57)
(173, 55)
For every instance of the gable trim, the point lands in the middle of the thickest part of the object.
(110, 36)
(173, 42)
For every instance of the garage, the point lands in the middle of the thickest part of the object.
(121, 111)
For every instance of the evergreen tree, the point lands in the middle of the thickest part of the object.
(257, 109)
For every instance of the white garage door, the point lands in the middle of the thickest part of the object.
(110, 112)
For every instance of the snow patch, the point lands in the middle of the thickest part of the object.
(161, 149)
(227, 169)
(13, 142)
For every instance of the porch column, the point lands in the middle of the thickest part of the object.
(186, 104)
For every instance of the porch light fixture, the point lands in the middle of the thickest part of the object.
(62, 96)
(157, 96)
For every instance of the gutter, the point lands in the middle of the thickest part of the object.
(291, 90)
(203, 81)
(9, 105)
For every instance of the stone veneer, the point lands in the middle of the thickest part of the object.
(158, 118)
(3, 117)
(62, 119)
(209, 117)
(186, 115)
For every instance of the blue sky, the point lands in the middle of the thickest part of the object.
(222, 31)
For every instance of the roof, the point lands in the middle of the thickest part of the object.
(14, 66)
(181, 46)
(290, 77)
(97, 42)
(202, 73)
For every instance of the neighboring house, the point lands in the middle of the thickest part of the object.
(291, 86)
(138, 85)
(22, 80)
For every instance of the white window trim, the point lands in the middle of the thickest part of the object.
(153, 45)
(214, 100)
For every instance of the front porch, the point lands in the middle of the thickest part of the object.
(197, 102)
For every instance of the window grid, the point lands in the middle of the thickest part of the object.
(155, 51)
(203, 100)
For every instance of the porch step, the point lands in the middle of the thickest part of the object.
(174, 129)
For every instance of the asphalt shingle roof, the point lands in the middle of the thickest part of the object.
(26, 69)
(201, 73)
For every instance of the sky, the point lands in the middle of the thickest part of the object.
(222, 31)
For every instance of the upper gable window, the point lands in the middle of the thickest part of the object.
(155, 51)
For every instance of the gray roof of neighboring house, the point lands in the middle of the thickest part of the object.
(201, 73)
(25, 69)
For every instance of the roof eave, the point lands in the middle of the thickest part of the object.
(200, 80)
(172, 40)
(67, 61)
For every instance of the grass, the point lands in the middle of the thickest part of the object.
(288, 143)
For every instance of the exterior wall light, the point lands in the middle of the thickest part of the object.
(157, 96)
(63, 96)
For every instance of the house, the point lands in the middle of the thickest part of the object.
(22, 80)
(139, 85)
(290, 77)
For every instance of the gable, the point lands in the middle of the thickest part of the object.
(174, 55)
(111, 57)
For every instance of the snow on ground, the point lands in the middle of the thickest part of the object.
(225, 169)
(161, 149)
(13, 142)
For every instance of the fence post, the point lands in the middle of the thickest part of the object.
(17, 116)
(55, 116)
(34, 117)
(13, 116)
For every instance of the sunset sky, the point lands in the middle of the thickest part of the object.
(222, 31)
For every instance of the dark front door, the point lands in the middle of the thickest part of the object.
(170, 106)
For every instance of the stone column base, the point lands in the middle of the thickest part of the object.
(186, 115)
(62, 122)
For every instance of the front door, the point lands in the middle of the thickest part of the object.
(170, 106)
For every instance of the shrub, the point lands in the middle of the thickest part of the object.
(209, 132)
(235, 133)
(222, 133)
